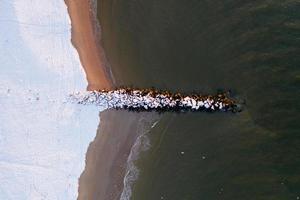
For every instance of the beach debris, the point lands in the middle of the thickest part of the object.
(151, 99)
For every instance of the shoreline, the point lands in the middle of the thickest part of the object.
(107, 155)
(86, 39)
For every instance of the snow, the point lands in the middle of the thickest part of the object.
(43, 138)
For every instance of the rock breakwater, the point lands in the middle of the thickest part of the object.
(151, 99)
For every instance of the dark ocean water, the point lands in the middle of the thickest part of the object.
(251, 47)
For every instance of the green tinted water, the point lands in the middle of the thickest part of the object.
(250, 47)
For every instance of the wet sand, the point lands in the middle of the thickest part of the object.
(106, 158)
(86, 39)
(107, 155)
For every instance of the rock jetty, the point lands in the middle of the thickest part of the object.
(151, 99)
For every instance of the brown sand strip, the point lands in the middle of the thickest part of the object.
(85, 40)
(107, 155)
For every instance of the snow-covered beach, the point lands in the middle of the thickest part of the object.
(43, 139)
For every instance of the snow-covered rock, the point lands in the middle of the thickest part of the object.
(146, 99)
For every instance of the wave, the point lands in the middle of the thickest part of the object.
(141, 144)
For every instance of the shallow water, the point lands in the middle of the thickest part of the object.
(249, 47)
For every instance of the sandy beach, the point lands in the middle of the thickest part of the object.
(85, 38)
